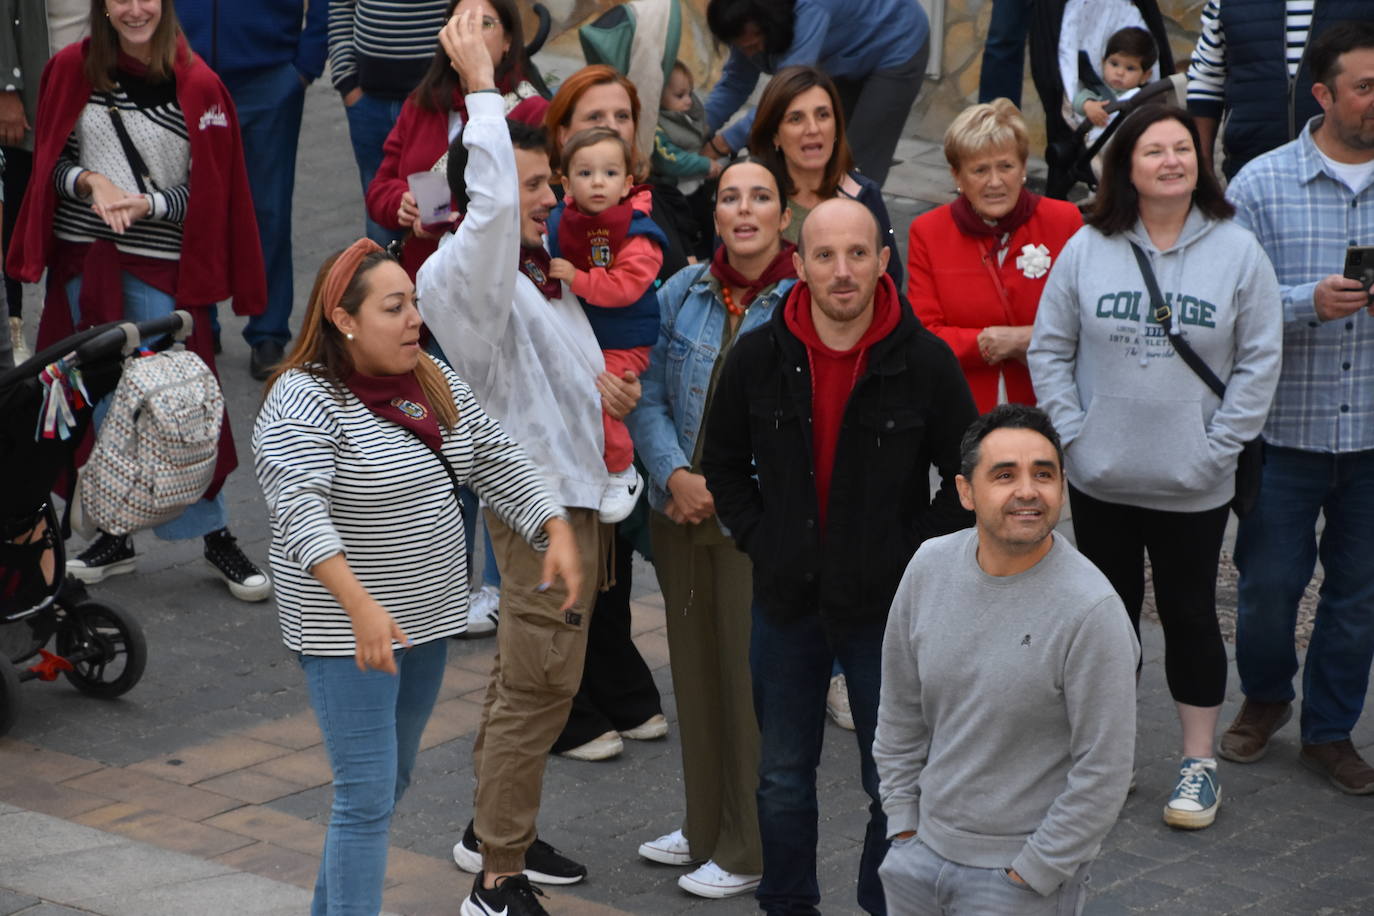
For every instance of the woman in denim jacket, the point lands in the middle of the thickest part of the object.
(706, 582)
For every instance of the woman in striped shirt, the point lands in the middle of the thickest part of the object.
(360, 446)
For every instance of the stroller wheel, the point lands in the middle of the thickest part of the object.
(114, 644)
(9, 695)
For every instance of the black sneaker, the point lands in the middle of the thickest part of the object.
(246, 582)
(108, 555)
(543, 863)
(512, 896)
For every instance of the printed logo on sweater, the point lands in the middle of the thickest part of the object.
(1136, 327)
(410, 408)
(214, 116)
(599, 244)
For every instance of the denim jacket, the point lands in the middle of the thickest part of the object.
(672, 408)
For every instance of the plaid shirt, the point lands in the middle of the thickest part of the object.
(1305, 217)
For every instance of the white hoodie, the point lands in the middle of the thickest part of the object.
(531, 361)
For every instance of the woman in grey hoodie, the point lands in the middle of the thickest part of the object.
(1150, 449)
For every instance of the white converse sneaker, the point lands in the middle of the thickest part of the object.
(670, 849)
(619, 498)
(710, 880)
(484, 609)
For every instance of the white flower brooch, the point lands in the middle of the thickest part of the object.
(1034, 261)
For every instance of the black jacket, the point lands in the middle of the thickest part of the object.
(907, 412)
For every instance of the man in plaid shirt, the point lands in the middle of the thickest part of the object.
(1307, 201)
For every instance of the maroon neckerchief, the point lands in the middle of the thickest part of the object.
(400, 400)
(779, 269)
(593, 239)
(970, 223)
(534, 263)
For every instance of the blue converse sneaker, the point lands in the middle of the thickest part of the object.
(1195, 800)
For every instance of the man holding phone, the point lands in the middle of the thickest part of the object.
(1308, 202)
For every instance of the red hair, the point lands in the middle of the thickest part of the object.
(564, 103)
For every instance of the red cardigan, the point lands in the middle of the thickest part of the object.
(220, 233)
(954, 296)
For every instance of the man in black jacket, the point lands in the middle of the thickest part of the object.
(823, 430)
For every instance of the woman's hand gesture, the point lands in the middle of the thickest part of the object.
(373, 632)
(691, 499)
(461, 38)
(117, 207)
(561, 561)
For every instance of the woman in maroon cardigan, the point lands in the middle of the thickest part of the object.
(432, 117)
(976, 266)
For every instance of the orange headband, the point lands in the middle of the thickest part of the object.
(342, 271)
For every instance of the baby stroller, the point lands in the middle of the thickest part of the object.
(46, 407)
(1066, 43)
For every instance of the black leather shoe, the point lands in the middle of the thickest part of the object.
(266, 355)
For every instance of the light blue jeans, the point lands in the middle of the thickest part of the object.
(920, 882)
(372, 723)
(143, 303)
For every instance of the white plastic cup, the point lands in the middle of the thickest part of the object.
(431, 193)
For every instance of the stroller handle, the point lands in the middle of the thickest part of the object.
(124, 338)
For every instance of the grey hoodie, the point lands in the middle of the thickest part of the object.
(1139, 427)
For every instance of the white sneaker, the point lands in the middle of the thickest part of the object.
(670, 849)
(619, 498)
(651, 728)
(484, 609)
(602, 747)
(710, 880)
(21, 350)
(837, 703)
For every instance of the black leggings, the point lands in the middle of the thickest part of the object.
(1184, 549)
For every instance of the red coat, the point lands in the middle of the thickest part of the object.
(955, 297)
(415, 143)
(219, 243)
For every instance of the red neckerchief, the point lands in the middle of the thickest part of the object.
(970, 223)
(400, 400)
(534, 263)
(779, 269)
(592, 239)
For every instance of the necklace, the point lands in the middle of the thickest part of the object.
(730, 300)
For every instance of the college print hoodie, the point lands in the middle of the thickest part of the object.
(1138, 425)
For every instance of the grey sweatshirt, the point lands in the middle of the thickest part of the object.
(1139, 427)
(1006, 727)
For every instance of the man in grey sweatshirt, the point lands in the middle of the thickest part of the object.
(1006, 727)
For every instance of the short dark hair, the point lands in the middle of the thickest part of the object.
(1005, 416)
(774, 18)
(778, 95)
(1118, 206)
(522, 136)
(1324, 54)
(779, 178)
(1133, 41)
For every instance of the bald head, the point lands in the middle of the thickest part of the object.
(840, 260)
(839, 208)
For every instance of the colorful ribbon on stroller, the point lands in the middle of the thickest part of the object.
(63, 391)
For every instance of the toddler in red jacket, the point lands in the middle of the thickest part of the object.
(605, 245)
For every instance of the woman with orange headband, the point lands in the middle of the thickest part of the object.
(360, 446)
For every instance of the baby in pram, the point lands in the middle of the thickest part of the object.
(1126, 66)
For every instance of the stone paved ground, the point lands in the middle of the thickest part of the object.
(216, 755)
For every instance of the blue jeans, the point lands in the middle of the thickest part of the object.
(372, 723)
(791, 664)
(1276, 550)
(1004, 53)
(369, 122)
(143, 303)
(269, 104)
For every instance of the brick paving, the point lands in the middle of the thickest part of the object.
(216, 757)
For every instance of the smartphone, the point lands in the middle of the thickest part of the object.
(1359, 265)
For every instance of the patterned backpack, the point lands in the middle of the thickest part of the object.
(156, 450)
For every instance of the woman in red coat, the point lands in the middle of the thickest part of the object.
(432, 117)
(976, 267)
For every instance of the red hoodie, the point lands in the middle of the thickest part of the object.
(834, 374)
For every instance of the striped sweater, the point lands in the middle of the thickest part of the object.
(157, 128)
(383, 46)
(338, 478)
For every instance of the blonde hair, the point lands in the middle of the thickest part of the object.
(985, 127)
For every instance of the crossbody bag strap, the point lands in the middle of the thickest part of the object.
(448, 467)
(989, 259)
(131, 153)
(1165, 318)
